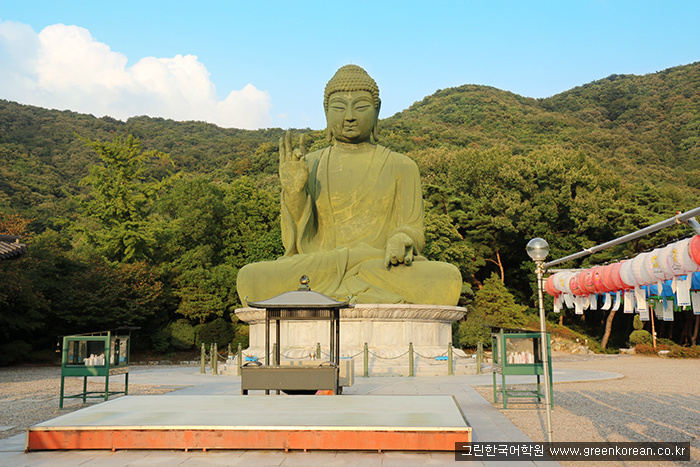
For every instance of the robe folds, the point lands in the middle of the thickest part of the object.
(340, 237)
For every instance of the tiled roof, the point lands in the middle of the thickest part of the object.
(10, 248)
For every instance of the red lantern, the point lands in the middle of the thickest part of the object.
(575, 285)
(608, 277)
(617, 277)
(549, 287)
(598, 283)
(694, 249)
(586, 279)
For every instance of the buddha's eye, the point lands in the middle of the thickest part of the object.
(338, 107)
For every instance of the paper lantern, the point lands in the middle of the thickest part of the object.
(617, 276)
(641, 270)
(684, 253)
(576, 286)
(549, 287)
(586, 281)
(694, 249)
(598, 283)
(608, 271)
(675, 260)
(561, 281)
(627, 275)
(659, 263)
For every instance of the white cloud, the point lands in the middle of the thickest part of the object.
(64, 67)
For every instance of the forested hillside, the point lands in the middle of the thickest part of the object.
(146, 222)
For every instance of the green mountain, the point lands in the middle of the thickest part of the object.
(166, 240)
(647, 126)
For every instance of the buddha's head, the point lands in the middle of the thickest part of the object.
(351, 101)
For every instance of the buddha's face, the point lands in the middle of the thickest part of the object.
(351, 116)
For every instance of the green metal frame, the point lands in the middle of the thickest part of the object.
(71, 368)
(502, 367)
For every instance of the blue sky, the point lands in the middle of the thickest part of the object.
(264, 63)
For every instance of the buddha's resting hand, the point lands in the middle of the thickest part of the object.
(294, 172)
(399, 249)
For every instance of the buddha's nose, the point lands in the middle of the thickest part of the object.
(350, 114)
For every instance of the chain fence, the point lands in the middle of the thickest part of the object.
(239, 358)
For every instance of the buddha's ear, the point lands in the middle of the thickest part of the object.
(375, 130)
(329, 133)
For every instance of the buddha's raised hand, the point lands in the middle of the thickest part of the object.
(294, 172)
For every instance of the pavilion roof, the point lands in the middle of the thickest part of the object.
(11, 248)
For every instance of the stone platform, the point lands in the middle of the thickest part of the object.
(388, 329)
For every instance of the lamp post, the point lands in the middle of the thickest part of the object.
(538, 249)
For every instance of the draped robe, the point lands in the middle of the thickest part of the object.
(339, 240)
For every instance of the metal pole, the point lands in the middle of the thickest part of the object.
(365, 361)
(240, 358)
(318, 350)
(686, 217)
(479, 357)
(337, 337)
(267, 337)
(215, 359)
(545, 356)
(203, 358)
(450, 370)
(410, 359)
(331, 341)
(277, 341)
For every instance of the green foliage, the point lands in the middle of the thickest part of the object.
(212, 230)
(160, 340)
(640, 337)
(242, 336)
(121, 201)
(219, 332)
(678, 351)
(637, 323)
(181, 334)
(14, 352)
(493, 306)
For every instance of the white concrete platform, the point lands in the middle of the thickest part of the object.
(367, 422)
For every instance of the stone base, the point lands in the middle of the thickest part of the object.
(388, 329)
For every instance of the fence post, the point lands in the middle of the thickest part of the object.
(450, 371)
(479, 357)
(365, 361)
(215, 360)
(318, 350)
(229, 351)
(211, 356)
(203, 358)
(410, 359)
(274, 354)
(240, 358)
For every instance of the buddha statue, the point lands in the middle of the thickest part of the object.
(352, 213)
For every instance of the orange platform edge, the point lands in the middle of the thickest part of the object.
(248, 438)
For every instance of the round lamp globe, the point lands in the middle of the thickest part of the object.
(537, 249)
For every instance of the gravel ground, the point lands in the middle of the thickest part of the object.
(658, 399)
(29, 395)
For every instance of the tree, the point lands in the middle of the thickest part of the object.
(493, 306)
(121, 202)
